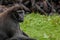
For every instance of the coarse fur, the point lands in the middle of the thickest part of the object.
(9, 24)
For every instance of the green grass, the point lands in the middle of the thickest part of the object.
(42, 27)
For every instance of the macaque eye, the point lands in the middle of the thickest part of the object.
(19, 11)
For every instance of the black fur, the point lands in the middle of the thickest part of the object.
(9, 24)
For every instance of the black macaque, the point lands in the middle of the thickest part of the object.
(9, 24)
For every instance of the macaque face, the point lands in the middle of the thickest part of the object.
(18, 15)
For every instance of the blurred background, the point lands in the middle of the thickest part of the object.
(42, 17)
(44, 22)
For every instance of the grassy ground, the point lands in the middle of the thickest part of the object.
(42, 27)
